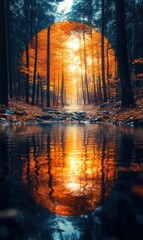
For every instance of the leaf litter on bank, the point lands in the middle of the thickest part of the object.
(19, 112)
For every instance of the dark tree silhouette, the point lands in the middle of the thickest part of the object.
(127, 98)
(103, 52)
(48, 66)
(27, 75)
(3, 55)
(35, 69)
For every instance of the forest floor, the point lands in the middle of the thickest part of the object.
(19, 113)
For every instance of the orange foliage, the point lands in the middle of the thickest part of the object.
(68, 51)
(138, 60)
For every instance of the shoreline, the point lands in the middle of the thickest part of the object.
(19, 113)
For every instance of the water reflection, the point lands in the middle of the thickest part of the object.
(69, 173)
(93, 172)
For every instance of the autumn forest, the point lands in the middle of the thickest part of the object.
(68, 54)
(72, 62)
(71, 119)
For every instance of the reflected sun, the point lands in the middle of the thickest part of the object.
(73, 186)
(69, 180)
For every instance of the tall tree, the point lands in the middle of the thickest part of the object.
(81, 70)
(3, 55)
(62, 83)
(9, 52)
(27, 74)
(127, 98)
(103, 52)
(48, 66)
(35, 69)
(93, 74)
(85, 66)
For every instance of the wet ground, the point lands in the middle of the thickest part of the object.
(109, 114)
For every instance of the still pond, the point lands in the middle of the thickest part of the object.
(71, 181)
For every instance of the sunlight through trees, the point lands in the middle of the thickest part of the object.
(74, 63)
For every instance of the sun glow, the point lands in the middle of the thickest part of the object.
(73, 44)
(72, 68)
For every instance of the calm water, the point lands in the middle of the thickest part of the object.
(71, 181)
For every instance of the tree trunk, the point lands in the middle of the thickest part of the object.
(85, 68)
(3, 55)
(38, 83)
(35, 69)
(133, 29)
(48, 67)
(82, 80)
(58, 89)
(102, 52)
(42, 99)
(127, 98)
(108, 80)
(9, 55)
(27, 74)
(13, 71)
(99, 89)
(99, 82)
(62, 85)
(54, 86)
(93, 75)
(19, 84)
